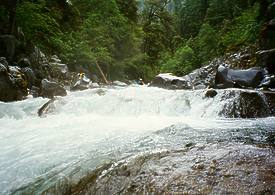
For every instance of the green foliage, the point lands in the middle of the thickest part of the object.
(219, 11)
(38, 26)
(159, 30)
(206, 43)
(132, 42)
(182, 62)
(243, 30)
(191, 14)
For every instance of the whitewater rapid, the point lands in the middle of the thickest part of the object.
(95, 126)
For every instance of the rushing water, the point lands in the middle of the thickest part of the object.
(97, 126)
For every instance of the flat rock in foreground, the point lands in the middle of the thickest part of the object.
(205, 169)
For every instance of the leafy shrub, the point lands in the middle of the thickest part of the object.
(243, 30)
(181, 63)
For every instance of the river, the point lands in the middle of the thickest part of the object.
(95, 127)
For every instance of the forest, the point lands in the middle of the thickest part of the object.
(134, 39)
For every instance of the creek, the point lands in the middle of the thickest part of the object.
(117, 126)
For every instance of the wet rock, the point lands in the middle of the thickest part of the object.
(268, 83)
(80, 86)
(119, 83)
(50, 89)
(50, 107)
(200, 78)
(83, 83)
(248, 104)
(174, 172)
(47, 108)
(228, 78)
(13, 84)
(168, 81)
(210, 93)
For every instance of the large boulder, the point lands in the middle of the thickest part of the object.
(50, 89)
(200, 78)
(248, 103)
(228, 78)
(168, 81)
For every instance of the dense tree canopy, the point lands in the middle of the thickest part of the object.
(135, 38)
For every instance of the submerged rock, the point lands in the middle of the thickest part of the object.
(50, 107)
(47, 108)
(210, 93)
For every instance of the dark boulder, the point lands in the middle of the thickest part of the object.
(24, 62)
(47, 108)
(13, 85)
(50, 89)
(50, 107)
(268, 83)
(228, 78)
(248, 104)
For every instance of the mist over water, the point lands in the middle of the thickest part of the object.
(96, 126)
